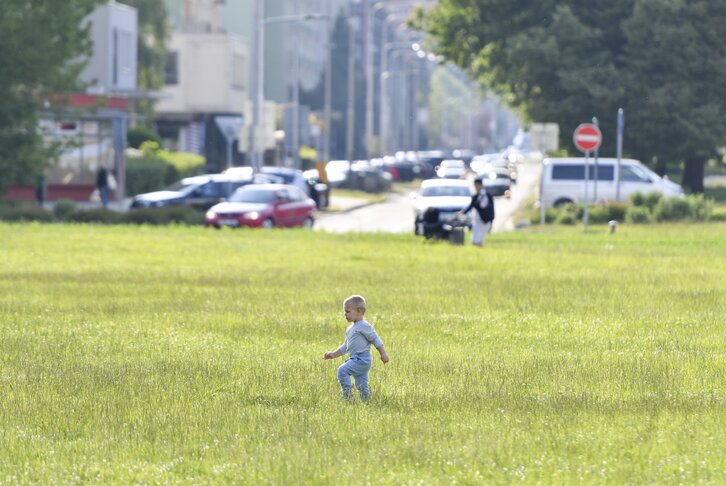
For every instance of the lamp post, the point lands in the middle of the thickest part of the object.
(370, 19)
(396, 49)
(258, 114)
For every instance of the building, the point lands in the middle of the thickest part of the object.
(206, 82)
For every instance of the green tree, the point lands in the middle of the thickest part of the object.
(42, 52)
(663, 61)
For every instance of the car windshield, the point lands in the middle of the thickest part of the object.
(445, 191)
(183, 186)
(253, 196)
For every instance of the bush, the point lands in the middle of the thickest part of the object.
(63, 208)
(701, 207)
(139, 134)
(651, 199)
(24, 213)
(156, 168)
(97, 215)
(565, 217)
(598, 214)
(638, 215)
(718, 214)
(637, 199)
(617, 210)
(672, 209)
(161, 216)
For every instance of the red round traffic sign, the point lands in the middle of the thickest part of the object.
(587, 137)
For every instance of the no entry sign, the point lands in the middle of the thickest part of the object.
(587, 137)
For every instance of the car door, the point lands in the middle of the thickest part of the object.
(299, 206)
(206, 195)
(284, 210)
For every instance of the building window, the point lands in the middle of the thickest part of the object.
(171, 68)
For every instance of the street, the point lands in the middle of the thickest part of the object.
(396, 214)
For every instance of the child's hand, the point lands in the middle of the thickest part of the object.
(328, 355)
(385, 358)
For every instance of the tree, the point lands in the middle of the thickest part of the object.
(42, 52)
(663, 61)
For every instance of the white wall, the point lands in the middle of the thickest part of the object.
(113, 65)
(212, 75)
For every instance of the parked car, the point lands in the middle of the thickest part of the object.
(451, 169)
(563, 180)
(483, 164)
(365, 177)
(264, 205)
(312, 186)
(337, 172)
(448, 196)
(497, 182)
(200, 192)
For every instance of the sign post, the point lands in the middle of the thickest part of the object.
(619, 151)
(587, 138)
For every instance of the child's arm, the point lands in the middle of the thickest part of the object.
(384, 355)
(332, 354)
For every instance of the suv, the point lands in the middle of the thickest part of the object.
(200, 192)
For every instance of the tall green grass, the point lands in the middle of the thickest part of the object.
(184, 355)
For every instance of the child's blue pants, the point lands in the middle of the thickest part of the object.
(358, 367)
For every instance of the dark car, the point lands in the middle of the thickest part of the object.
(200, 192)
(309, 183)
(264, 205)
(365, 177)
(497, 182)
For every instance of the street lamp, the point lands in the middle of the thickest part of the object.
(258, 115)
(388, 48)
(371, 13)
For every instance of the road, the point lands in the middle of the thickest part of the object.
(396, 214)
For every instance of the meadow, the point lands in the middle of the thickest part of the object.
(179, 355)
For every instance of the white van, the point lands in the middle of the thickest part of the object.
(563, 180)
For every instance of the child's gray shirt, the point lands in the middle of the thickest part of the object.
(358, 339)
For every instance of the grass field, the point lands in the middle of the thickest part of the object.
(183, 355)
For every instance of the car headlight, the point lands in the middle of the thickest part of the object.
(251, 215)
(211, 214)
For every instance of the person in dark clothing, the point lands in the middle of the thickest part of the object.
(102, 185)
(483, 203)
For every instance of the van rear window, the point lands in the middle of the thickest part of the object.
(576, 172)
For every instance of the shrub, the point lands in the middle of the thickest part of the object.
(17, 212)
(701, 207)
(161, 216)
(718, 214)
(96, 215)
(651, 199)
(598, 214)
(638, 215)
(637, 199)
(672, 209)
(63, 208)
(156, 168)
(139, 134)
(565, 217)
(617, 210)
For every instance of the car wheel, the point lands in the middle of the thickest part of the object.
(268, 223)
(308, 223)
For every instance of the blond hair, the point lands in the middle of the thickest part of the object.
(357, 301)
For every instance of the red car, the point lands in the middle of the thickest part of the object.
(264, 205)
